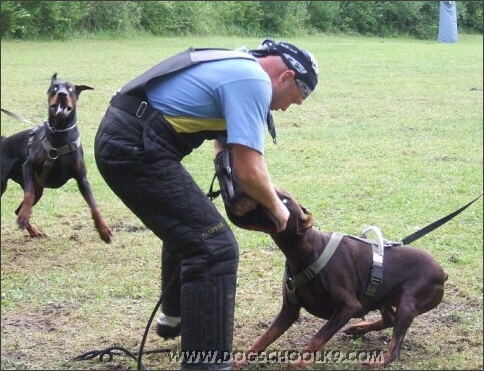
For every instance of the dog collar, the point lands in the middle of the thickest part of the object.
(53, 130)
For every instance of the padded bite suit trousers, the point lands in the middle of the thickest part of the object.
(140, 160)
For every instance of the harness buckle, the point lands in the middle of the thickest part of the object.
(141, 109)
(376, 275)
(53, 154)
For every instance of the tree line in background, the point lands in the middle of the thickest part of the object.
(68, 19)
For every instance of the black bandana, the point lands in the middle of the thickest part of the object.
(300, 61)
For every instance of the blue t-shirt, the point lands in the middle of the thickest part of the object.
(230, 96)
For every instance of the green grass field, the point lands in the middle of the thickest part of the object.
(392, 137)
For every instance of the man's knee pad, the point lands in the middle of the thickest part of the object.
(207, 319)
(208, 300)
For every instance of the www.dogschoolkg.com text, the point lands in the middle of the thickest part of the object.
(279, 356)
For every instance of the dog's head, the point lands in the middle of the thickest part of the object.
(62, 97)
(300, 218)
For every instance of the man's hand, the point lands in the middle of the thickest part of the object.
(282, 216)
(251, 171)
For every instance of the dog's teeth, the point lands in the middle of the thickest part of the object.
(62, 110)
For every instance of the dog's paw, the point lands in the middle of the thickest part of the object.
(237, 365)
(34, 232)
(106, 234)
(352, 330)
(104, 231)
(23, 222)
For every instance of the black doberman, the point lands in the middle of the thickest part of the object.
(336, 287)
(49, 155)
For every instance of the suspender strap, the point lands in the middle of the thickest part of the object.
(178, 62)
(204, 55)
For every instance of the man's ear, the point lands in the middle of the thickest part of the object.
(287, 75)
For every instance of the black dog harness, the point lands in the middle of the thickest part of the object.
(52, 152)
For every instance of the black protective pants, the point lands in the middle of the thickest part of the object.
(140, 161)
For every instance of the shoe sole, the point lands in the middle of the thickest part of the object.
(168, 332)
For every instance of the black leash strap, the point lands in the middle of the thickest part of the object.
(422, 232)
(162, 297)
(111, 351)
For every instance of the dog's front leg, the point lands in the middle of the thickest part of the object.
(338, 319)
(286, 317)
(102, 227)
(32, 193)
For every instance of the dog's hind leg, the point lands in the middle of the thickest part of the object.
(405, 314)
(387, 319)
(6, 167)
(418, 297)
(7, 164)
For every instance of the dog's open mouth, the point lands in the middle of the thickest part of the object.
(61, 109)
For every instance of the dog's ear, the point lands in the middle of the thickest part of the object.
(53, 78)
(306, 221)
(80, 88)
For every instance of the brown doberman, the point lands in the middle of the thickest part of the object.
(412, 283)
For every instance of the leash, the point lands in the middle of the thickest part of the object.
(18, 117)
(23, 119)
(110, 352)
(379, 248)
(429, 228)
